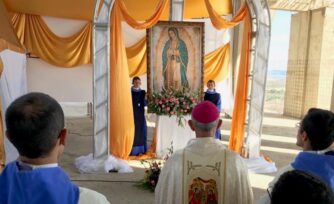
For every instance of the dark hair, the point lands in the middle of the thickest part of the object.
(134, 79)
(300, 187)
(34, 122)
(319, 126)
(211, 81)
(174, 30)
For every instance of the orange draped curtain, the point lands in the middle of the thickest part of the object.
(240, 98)
(121, 119)
(42, 42)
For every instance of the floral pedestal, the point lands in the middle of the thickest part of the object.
(170, 135)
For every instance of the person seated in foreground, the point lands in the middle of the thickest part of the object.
(205, 171)
(316, 137)
(301, 187)
(35, 126)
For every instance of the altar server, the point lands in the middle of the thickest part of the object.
(138, 104)
(214, 97)
(205, 171)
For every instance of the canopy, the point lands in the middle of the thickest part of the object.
(8, 38)
(83, 9)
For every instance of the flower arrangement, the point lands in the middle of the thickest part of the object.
(152, 174)
(173, 102)
(153, 171)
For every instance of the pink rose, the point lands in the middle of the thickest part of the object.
(188, 107)
(163, 106)
(168, 108)
(160, 102)
(181, 111)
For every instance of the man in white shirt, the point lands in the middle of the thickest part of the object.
(316, 137)
(205, 171)
(35, 126)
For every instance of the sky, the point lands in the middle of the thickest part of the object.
(280, 36)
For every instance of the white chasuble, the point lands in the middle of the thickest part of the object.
(204, 172)
(203, 178)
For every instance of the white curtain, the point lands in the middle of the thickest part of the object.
(13, 84)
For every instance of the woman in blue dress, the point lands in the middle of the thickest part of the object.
(138, 104)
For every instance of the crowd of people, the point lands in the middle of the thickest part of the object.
(205, 171)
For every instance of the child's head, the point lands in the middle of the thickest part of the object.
(35, 125)
(211, 85)
(136, 82)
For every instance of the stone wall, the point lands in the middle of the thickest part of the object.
(311, 62)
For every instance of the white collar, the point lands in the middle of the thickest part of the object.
(43, 166)
(211, 91)
(134, 88)
(328, 149)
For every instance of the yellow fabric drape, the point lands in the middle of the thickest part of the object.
(121, 119)
(216, 63)
(2, 134)
(137, 58)
(42, 42)
(219, 22)
(240, 99)
(8, 38)
(79, 9)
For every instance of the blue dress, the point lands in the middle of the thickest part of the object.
(140, 138)
(215, 98)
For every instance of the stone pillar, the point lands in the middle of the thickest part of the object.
(309, 80)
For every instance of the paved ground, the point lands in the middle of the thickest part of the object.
(278, 142)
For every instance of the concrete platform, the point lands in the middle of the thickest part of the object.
(278, 142)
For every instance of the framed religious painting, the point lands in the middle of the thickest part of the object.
(175, 52)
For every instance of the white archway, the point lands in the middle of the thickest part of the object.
(260, 15)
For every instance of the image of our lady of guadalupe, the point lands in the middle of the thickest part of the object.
(175, 61)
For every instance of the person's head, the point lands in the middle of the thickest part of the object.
(211, 85)
(173, 33)
(316, 130)
(35, 126)
(300, 187)
(205, 119)
(136, 82)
